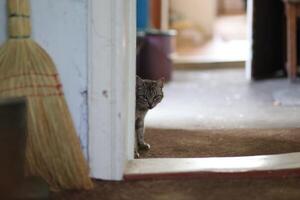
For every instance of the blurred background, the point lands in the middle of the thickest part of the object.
(202, 33)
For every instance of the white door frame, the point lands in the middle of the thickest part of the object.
(250, 38)
(112, 44)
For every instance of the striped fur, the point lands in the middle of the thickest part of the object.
(148, 94)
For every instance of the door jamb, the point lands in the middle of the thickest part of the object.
(250, 15)
(111, 86)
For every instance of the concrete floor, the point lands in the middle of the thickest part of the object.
(223, 99)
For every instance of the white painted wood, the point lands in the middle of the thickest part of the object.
(131, 37)
(221, 165)
(165, 14)
(111, 86)
(250, 15)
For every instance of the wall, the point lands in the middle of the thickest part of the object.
(231, 6)
(202, 12)
(61, 28)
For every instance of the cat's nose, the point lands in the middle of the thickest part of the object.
(150, 105)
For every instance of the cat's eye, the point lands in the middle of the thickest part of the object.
(157, 97)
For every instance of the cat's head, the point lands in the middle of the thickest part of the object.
(148, 93)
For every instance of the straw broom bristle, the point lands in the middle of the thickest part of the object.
(53, 149)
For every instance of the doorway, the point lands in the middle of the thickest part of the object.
(209, 70)
(111, 106)
(207, 107)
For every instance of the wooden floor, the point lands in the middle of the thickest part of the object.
(267, 165)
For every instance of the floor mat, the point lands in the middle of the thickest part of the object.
(211, 143)
(193, 189)
(205, 143)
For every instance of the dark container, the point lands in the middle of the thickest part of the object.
(13, 133)
(154, 49)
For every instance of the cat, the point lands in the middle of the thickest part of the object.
(148, 94)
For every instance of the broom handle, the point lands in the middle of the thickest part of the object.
(19, 19)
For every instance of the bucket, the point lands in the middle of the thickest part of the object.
(154, 49)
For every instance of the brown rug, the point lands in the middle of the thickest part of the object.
(210, 143)
(205, 143)
(197, 189)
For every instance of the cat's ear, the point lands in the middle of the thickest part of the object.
(139, 81)
(161, 82)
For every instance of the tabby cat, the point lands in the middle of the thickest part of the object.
(148, 94)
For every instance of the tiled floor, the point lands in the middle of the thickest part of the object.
(223, 99)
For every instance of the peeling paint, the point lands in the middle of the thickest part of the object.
(83, 122)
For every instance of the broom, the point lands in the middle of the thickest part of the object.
(53, 149)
